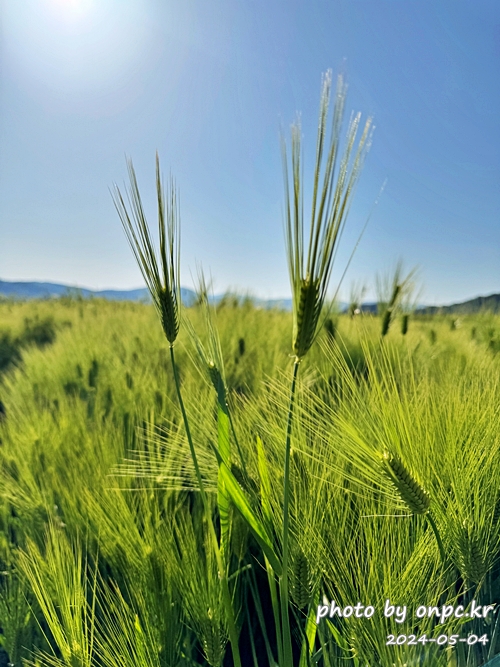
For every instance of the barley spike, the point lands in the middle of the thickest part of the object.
(300, 584)
(215, 376)
(408, 488)
(307, 316)
(169, 313)
(213, 641)
(470, 557)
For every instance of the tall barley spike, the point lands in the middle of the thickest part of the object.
(310, 271)
(162, 279)
(409, 490)
(169, 313)
(307, 316)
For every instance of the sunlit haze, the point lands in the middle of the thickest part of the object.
(208, 85)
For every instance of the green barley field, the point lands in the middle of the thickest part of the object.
(229, 486)
(106, 555)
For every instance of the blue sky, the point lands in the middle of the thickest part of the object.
(207, 84)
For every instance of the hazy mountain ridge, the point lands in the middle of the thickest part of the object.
(479, 303)
(42, 290)
(36, 290)
(39, 290)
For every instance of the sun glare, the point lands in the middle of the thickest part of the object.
(74, 47)
(73, 6)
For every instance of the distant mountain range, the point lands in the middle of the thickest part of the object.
(490, 303)
(36, 290)
(27, 290)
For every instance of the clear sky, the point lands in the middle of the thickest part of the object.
(207, 84)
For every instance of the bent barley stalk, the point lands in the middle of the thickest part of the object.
(310, 278)
(212, 366)
(164, 287)
(411, 492)
(211, 362)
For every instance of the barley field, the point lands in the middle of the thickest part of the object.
(106, 554)
(231, 486)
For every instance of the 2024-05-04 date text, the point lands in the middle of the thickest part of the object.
(442, 640)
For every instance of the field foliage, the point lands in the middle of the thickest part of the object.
(105, 548)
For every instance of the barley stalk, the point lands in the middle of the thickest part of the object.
(411, 492)
(162, 278)
(332, 192)
(310, 274)
(164, 287)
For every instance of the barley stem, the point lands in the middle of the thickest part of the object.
(438, 536)
(240, 453)
(233, 634)
(285, 619)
